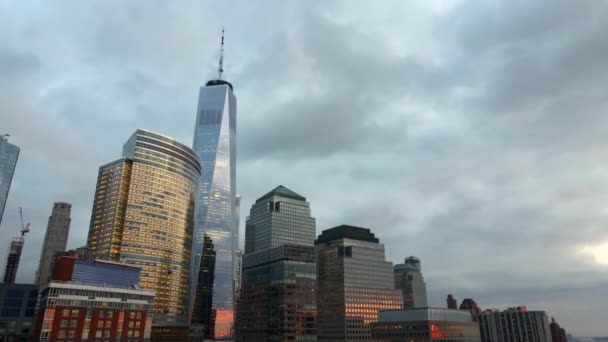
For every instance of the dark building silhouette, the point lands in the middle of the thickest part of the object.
(12, 261)
(470, 305)
(202, 312)
(558, 334)
(17, 311)
(452, 302)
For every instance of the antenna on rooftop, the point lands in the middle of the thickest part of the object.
(220, 70)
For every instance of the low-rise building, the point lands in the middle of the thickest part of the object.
(424, 325)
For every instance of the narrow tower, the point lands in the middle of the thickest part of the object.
(55, 240)
(9, 154)
(14, 253)
(408, 279)
(215, 217)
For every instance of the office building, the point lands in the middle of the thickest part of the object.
(558, 334)
(17, 311)
(278, 291)
(143, 215)
(12, 260)
(471, 306)
(9, 154)
(514, 324)
(55, 239)
(354, 282)
(452, 302)
(94, 300)
(408, 279)
(425, 325)
(215, 145)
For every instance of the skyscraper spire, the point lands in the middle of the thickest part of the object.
(220, 70)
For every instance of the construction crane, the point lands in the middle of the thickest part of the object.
(25, 228)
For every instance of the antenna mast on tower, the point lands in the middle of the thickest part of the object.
(220, 70)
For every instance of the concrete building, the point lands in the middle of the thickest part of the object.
(409, 279)
(94, 300)
(55, 240)
(558, 334)
(425, 325)
(354, 282)
(278, 291)
(9, 154)
(17, 311)
(514, 324)
(452, 302)
(143, 215)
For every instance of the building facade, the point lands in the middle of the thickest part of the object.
(514, 324)
(452, 302)
(278, 289)
(17, 311)
(9, 154)
(558, 334)
(425, 325)
(409, 279)
(94, 300)
(12, 260)
(215, 218)
(143, 215)
(55, 240)
(471, 306)
(355, 282)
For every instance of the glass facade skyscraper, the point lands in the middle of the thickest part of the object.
(278, 290)
(143, 215)
(355, 282)
(215, 218)
(9, 154)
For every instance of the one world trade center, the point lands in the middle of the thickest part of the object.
(215, 230)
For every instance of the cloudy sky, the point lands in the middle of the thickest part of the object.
(471, 134)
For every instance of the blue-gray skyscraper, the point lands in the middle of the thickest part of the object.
(8, 160)
(215, 217)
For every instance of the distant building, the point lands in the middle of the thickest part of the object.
(94, 300)
(17, 311)
(558, 334)
(143, 215)
(278, 291)
(408, 279)
(514, 324)
(9, 154)
(452, 302)
(12, 260)
(425, 324)
(55, 240)
(354, 282)
(470, 305)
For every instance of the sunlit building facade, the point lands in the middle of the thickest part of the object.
(9, 154)
(355, 282)
(143, 215)
(215, 218)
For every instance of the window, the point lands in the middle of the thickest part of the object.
(71, 334)
(61, 334)
(64, 323)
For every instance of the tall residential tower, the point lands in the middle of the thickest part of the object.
(9, 154)
(215, 217)
(143, 215)
(55, 240)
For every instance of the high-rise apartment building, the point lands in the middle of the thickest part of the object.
(354, 282)
(215, 218)
(278, 289)
(408, 279)
(514, 324)
(55, 240)
(12, 260)
(143, 215)
(9, 154)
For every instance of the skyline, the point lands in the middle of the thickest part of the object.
(457, 153)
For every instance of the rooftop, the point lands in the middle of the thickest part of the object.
(346, 232)
(282, 192)
(218, 82)
(424, 314)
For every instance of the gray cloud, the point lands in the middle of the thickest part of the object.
(468, 134)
